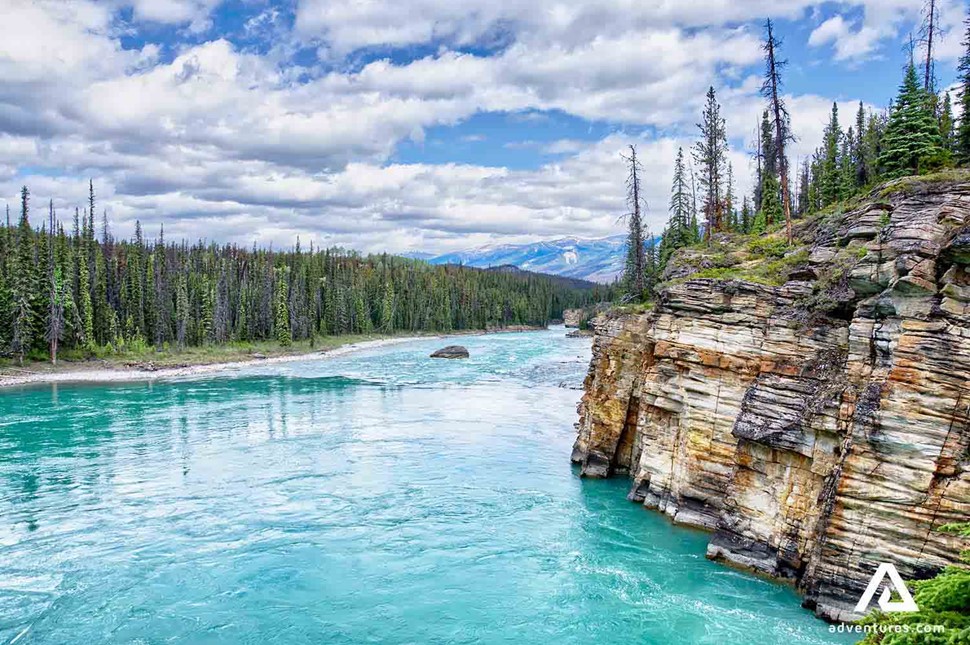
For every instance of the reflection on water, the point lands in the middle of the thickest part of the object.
(382, 496)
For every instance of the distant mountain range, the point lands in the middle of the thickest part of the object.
(596, 260)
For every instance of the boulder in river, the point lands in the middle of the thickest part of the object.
(451, 351)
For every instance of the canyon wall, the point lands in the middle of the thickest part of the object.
(816, 428)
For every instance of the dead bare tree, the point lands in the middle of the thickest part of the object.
(771, 90)
(930, 23)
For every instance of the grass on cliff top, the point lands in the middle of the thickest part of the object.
(634, 308)
(762, 259)
(911, 184)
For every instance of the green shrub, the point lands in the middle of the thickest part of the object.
(943, 600)
(771, 247)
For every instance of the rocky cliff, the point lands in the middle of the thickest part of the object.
(817, 423)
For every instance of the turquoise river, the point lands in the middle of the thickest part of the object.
(375, 497)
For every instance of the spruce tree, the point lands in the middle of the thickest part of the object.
(847, 167)
(24, 285)
(804, 182)
(770, 169)
(745, 219)
(633, 275)
(387, 308)
(962, 142)
(651, 273)
(85, 306)
(711, 154)
(912, 143)
(862, 170)
(829, 181)
(946, 123)
(57, 285)
(282, 310)
(182, 315)
(771, 209)
(679, 232)
(6, 301)
(872, 147)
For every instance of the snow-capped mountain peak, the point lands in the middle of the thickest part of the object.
(598, 260)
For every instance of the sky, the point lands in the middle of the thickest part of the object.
(410, 125)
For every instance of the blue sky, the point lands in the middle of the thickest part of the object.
(410, 125)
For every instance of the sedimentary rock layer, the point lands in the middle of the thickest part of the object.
(813, 446)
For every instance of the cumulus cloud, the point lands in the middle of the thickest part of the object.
(379, 23)
(884, 20)
(237, 144)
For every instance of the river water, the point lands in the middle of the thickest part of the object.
(378, 497)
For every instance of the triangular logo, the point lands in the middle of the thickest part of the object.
(905, 603)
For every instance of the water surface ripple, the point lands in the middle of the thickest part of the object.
(378, 497)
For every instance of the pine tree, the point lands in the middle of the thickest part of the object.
(633, 276)
(24, 284)
(804, 181)
(862, 170)
(651, 272)
(746, 219)
(759, 158)
(771, 209)
(387, 308)
(946, 123)
(847, 167)
(282, 317)
(815, 185)
(56, 299)
(679, 232)
(912, 143)
(962, 143)
(872, 148)
(152, 318)
(768, 147)
(711, 152)
(6, 301)
(829, 181)
(85, 306)
(182, 315)
(770, 169)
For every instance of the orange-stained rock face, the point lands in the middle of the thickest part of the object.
(813, 447)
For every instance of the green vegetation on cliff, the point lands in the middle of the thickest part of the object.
(917, 134)
(942, 600)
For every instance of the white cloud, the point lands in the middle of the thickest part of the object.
(887, 20)
(234, 145)
(194, 12)
(350, 25)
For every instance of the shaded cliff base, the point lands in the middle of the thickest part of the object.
(809, 406)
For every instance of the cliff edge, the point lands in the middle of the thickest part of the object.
(809, 406)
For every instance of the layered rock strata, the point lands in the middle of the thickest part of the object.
(816, 428)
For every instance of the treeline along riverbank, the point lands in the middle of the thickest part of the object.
(79, 289)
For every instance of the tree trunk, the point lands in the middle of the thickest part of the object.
(928, 77)
(780, 134)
